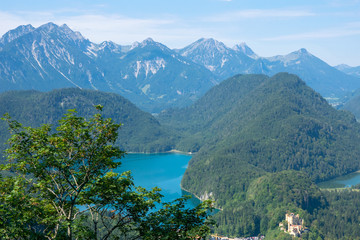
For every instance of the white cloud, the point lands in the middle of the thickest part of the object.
(99, 27)
(124, 30)
(258, 13)
(121, 29)
(320, 34)
(9, 21)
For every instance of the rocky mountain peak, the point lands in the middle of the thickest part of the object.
(342, 67)
(209, 45)
(244, 48)
(302, 51)
(16, 33)
(113, 47)
(64, 31)
(48, 26)
(72, 34)
(134, 45)
(149, 42)
(291, 57)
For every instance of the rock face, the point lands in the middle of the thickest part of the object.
(206, 196)
(147, 73)
(218, 58)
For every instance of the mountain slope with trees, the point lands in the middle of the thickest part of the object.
(63, 187)
(269, 126)
(140, 131)
(353, 105)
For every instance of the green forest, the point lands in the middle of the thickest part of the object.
(260, 145)
(62, 186)
(250, 126)
(140, 131)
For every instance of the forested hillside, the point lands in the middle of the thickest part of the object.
(353, 105)
(261, 144)
(140, 131)
(274, 124)
(252, 125)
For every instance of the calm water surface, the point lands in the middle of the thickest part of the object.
(343, 181)
(158, 170)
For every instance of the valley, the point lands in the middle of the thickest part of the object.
(263, 131)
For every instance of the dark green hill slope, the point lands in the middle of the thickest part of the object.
(353, 105)
(273, 123)
(267, 201)
(140, 132)
(200, 120)
(252, 125)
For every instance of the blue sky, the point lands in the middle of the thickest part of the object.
(330, 29)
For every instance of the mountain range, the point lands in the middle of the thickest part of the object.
(225, 62)
(149, 74)
(354, 71)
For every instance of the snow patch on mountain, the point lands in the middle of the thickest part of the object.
(149, 66)
(138, 67)
(183, 61)
(145, 89)
(66, 77)
(35, 55)
(212, 68)
(223, 61)
(94, 50)
(91, 50)
(88, 73)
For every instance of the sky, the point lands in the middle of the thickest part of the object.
(329, 29)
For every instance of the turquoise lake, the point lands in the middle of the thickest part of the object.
(343, 181)
(163, 170)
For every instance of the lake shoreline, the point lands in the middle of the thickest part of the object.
(172, 151)
(180, 152)
(182, 188)
(339, 182)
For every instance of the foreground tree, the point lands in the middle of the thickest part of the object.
(63, 188)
